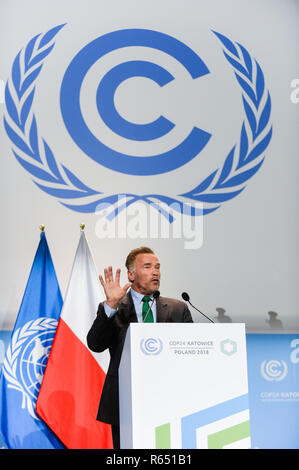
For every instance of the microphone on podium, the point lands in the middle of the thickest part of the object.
(155, 295)
(186, 297)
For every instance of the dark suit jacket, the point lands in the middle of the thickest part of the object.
(111, 332)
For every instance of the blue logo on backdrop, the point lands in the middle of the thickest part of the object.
(72, 115)
(33, 152)
(273, 390)
(274, 370)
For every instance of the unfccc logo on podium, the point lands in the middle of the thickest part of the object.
(151, 346)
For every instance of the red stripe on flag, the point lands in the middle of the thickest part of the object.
(69, 396)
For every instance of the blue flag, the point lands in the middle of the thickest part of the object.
(26, 357)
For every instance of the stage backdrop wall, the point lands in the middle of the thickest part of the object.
(133, 108)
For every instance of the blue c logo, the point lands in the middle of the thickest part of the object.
(151, 346)
(108, 112)
(84, 138)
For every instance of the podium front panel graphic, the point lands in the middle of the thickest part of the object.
(184, 386)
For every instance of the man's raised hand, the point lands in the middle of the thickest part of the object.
(114, 292)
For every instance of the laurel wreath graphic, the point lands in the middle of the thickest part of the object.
(11, 362)
(35, 155)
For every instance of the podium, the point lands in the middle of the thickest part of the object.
(184, 386)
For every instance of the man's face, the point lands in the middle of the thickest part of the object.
(145, 275)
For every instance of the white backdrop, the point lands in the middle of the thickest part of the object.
(247, 263)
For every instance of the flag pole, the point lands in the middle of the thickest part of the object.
(82, 227)
(42, 228)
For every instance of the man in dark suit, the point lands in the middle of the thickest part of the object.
(118, 311)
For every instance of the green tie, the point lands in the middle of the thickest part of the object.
(145, 307)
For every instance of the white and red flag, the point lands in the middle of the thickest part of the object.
(73, 381)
